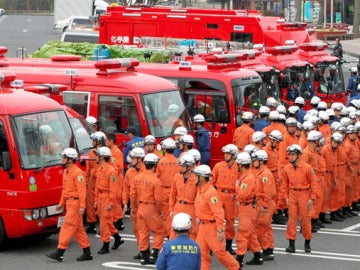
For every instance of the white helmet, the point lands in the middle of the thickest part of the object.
(344, 111)
(337, 106)
(149, 139)
(323, 116)
(293, 109)
(230, 148)
(353, 69)
(181, 222)
(98, 136)
(314, 120)
(337, 137)
(273, 115)
(350, 109)
(351, 129)
(45, 129)
(357, 125)
(271, 102)
(281, 109)
(282, 117)
(258, 136)
(195, 153)
(103, 151)
(330, 112)
(203, 170)
(313, 112)
(180, 131)
(151, 159)
(137, 153)
(91, 120)
(247, 116)
(352, 115)
(314, 136)
(260, 155)
(322, 105)
(345, 121)
(299, 100)
(243, 158)
(276, 135)
(307, 125)
(315, 100)
(70, 153)
(334, 125)
(187, 139)
(199, 118)
(186, 160)
(168, 144)
(294, 149)
(264, 110)
(173, 108)
(291, 122)
(250, 148)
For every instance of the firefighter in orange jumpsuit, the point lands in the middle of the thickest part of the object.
(307, 127)
(105, 197)
(73, 195)
(136, 156)
(275, 124)
(299, 187)
(322, 190)
(225, 174)
(167, 168)
(243, 134)
(183, 193)
(146, 197)
(265, 204)
(117, 160)
(185, 143)
(149, 145)
(259, 139)
(324, 126)
(246, 201)
(210, 218)
(98, 140)
(356, 203)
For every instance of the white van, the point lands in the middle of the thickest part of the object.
(80, 36)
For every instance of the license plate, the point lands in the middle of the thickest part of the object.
(60, 221)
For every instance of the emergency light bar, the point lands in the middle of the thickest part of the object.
(46, 88)
(219, 66)
(313, 46)
(277, 50)
(65, 58)
(104, 65)
(225, 58)
(3, 51)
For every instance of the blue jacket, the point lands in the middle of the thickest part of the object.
(179, 254)
(301, 115)
(177, 151)
(202, 139)
(352, 86)
(260, 124)
(133, 143)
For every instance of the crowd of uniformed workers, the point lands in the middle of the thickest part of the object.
(287, 165)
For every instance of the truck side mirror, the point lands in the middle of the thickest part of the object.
(7, 165)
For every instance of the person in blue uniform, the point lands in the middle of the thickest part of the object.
(353, 82)
(264, 118)
(182, 252)
(202, 139)
(135, 141)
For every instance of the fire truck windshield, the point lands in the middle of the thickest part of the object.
(299, 82)
(41, 137)
(164, 112)
(329, 76)
(271, 84)
(248, 94)
(81, 132)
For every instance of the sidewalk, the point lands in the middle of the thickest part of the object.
(351, 47)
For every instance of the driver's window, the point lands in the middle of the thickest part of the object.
(3, 142)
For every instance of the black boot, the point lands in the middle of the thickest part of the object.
(154, 255)
(137, 256)
(314, 226)
(57, 255)
(118, 241)
(240, 259)
(268, 254)
(256, 260)
(279, 218)
(119, 224)
(334, 217)
(145, 257)
(324, 219)
(307, 246)
(340, 214)
(229, 247)
(291, 247)
(347, 212)
(105, 248)
(355, 207)
(91, 227)
(86, 256)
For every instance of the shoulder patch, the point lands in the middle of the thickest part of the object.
(243, 186)
(113, 160)
(113, 178)
(80, 178)
(214, 199)
(265, 179)
(312, 171)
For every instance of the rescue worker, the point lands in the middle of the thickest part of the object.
(50, 147)
(246, 202)
(172, 119)
(210, 217)
(352, 82)
(265, 204)
(196, 155)
(181, 252)
(137, 166)
(134, 141)
(105, 197)
(149, 145)
(259, 139)
(324, 125)
(275, 123)
(299, 187)
(242, 135)
(178, 133)
(264, 119)
(186, 143)
(183, 193)
(355, 98)
(314, 102)
(338, 50)
(166, 170)
(117, 160)
(147, 200)
(202, 139)
(73, 195)
(271, 103)
(299, 101)
(225, 174)
(93, 122)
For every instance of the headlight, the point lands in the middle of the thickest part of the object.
(43, 213)
(35, 214)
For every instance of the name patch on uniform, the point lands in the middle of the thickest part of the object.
(214, 199)
(80, 178)
(113, 160)
(243, 186)
(113, 178)
(265, 179)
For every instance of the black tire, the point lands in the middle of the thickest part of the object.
(3, 236)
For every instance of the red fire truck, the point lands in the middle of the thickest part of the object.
(127, 25)
(33, 131)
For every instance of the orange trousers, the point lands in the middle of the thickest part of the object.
(90, 200)
(327, 183)
(107, 228)
(246, 236)
(229, 205)
(118, 214)
(263, 226)
(73, 226)
(190, 210)
(298, 200)
(357, 185)
(349, 186)
(207, 240)
(133, 217)
(319, 202)
(149, 220)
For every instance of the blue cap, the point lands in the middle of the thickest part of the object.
(131, 129)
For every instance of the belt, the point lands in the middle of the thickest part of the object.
(185, 202)
(206, 221)
(103, 191)
(300, 189)
(227, 190)
(166, 187)
(245, 203)
(71, 198)
(146, 202)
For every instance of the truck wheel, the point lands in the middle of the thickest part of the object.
(3, 236)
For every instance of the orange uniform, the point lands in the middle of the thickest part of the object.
(146, 196)
(245, 197)
(243, 136)
(353, 155)
(224, 179)
(167, 168)
(272, 164)
(274, 126)
(342, 163)
(299, 186)
(330, 157)
(182, 199)
(303, 141)
(90, 173)
(105, 197)
(210, 215)
(322, 188)
(357, 179)
(265, 198)
(74, 196)
(325, 130)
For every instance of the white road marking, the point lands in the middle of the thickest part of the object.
(351, 228)
(322, 255)
(127, 265)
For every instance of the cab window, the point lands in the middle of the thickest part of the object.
(78, 101)
(3, 142)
